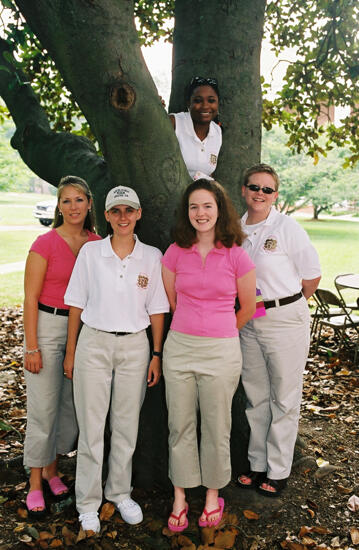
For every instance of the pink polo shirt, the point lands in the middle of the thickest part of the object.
(206, 292)
(60, 263)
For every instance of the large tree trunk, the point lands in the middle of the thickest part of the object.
(96, 49)
(223, 40)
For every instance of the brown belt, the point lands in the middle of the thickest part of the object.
(282, 301)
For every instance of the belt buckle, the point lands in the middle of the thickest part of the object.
(276, 301)
(55, 310)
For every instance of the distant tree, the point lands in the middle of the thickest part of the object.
(321, 185)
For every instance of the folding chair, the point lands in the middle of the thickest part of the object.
(340, 323)
(340, 288)
(322, 310)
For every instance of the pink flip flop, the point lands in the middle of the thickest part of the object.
(57, 488)
(208, 523)
(35, 499)
(178, 528)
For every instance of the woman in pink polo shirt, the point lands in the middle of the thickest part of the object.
(203, 272)
(51, 421)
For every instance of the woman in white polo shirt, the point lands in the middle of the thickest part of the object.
(275, 347)
(116, 290)
(199, 136)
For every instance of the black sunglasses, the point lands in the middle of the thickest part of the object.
(200, 81)
(266, 190)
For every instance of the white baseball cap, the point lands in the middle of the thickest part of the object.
(122, 195)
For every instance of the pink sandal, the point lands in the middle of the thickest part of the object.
(219, 510)
(57, 488)
(35, 499)
(178, 528)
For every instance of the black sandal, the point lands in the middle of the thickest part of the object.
(277, 484)
(256, 479)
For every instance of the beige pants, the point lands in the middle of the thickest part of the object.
(275, 350)
(51, 420)
(200, 372)
(110, 374)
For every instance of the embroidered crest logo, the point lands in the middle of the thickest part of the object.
(213, 159)
(270, 244)
(142, 280)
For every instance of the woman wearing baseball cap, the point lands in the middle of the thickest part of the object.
(116, 290)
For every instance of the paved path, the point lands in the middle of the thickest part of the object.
(10, 268)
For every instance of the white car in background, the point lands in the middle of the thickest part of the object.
(44, 211)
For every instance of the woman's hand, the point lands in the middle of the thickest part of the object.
(69, 365)
(154, 372)
(33, 362)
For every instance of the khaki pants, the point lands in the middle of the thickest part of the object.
(275, 350)
(51, 420)
(110, 373)
(200, 372)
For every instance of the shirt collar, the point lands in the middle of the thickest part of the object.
(191, 131)
(270, 218)
(218, 249)
(107, 250)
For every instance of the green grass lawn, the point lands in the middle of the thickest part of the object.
(16, 208)
(337, 243)
(12, 289)
(15, 244)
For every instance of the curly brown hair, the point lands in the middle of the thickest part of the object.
(228, 230)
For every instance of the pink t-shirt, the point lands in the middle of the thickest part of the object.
(60, 263)
(206, 292)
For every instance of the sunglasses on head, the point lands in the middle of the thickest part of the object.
(265, 190)
(200, 81)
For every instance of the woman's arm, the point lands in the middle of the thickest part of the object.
(72, 334)
(246, 289)
(154, 370)
(169, 280)
(35, 271)
(309, 286)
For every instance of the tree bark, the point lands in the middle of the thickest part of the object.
(96, 49)
(223, 40)
(49, 154)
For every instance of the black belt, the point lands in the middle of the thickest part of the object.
(118, 333)
(54, 310)
(282, 301)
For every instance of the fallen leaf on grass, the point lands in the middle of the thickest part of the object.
(22, 513)
(354, 534)
(45, 535)
(107, 511)
(56, 543)
(69, 536)
(185, 542)
(353, 503)
(167, 532)
(207, 535)
(292, 545)
(226, 539)
(311, 513)
(344, 490)
(307, 541)
(250, 515)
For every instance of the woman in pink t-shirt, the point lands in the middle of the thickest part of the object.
(51, 421)
(203, 272)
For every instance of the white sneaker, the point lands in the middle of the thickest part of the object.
(130, 511)
(90, 522)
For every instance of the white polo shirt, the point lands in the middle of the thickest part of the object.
(114, 294)
(282, 253)
(199, 156)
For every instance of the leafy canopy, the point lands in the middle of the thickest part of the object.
(324, 35)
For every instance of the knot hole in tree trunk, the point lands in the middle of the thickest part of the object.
(122, 97)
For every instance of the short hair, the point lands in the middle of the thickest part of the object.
(197, 81)
(228, 230)
(82, 186)
(260, 169)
